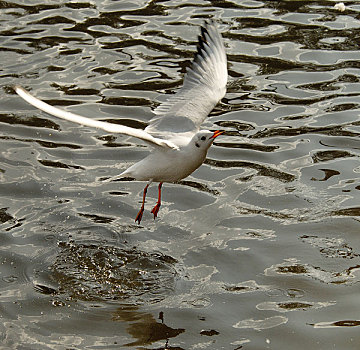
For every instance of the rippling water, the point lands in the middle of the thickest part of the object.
(258, 249)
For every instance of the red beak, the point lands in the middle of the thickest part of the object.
(216, 134)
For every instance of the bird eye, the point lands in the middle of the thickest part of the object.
(203, 138)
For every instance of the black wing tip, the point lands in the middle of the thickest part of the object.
(206, 26)
(204, 30)
(203, 39)
(209, 22)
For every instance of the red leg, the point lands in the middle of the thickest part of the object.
(141, 211)
(155, 210)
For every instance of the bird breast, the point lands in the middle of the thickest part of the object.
(166, 166)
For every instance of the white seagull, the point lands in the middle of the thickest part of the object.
(179, 147)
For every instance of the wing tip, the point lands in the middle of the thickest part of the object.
(23, 93)
(209, 39)
(17, 88)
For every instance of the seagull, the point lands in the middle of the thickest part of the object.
(178, 145)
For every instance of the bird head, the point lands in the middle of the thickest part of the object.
(204, 139)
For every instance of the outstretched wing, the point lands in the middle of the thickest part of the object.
(109, 127)
(204, 86)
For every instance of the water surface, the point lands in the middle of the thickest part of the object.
(258, 249)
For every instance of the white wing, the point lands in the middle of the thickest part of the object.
(109, 127)
(204, 86)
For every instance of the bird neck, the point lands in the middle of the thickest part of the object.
(197, 154)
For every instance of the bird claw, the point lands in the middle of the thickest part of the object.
(139, 215)
(155, 210)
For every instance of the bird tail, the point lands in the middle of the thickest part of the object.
(124, 176)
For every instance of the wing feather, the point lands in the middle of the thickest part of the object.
(204, 86)
(109, 127)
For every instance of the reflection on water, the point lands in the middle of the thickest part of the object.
(258, 249)
(144, 328)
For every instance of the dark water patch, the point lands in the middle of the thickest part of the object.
(46, 144)
(126, 101)
(241, 83)
(49, 42)
(323, 86)
(32, 121)
(261, 169)
(328, 173)
(331, 247)
(46, 290)
(268, 66)
(327, 276)
(241, 288)
(347, 323)
(16, 225)
(333, 130)
(209, 332)
(342, 107)
(234, 125)
(294, 306)
(58, 103)
(296, 269)
(347, 212)
(54, 164)
(118, 193)
(295, 117)
(286, 100)
(4, 216)
(98, 219)
(133, 123)
(291, 306)
(343, 323)
(104, 70)
(74, 90)
(283, 215)
(54, 20)
(110, 141)
(239, 103)
(254, 147)
(301, 34)
(325, 156)
(331, 85)
(49, 144)
(29, 8)
(14, 50)
(149, 85)
(199, 186)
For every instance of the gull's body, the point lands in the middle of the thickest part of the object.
(179, 147)
(158, 169)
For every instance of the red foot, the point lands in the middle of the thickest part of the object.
(141, 211)
(155, 210)
(139, 215)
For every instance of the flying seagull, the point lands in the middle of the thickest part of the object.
(178, 146)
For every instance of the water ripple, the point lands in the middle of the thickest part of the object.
(268, 225)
